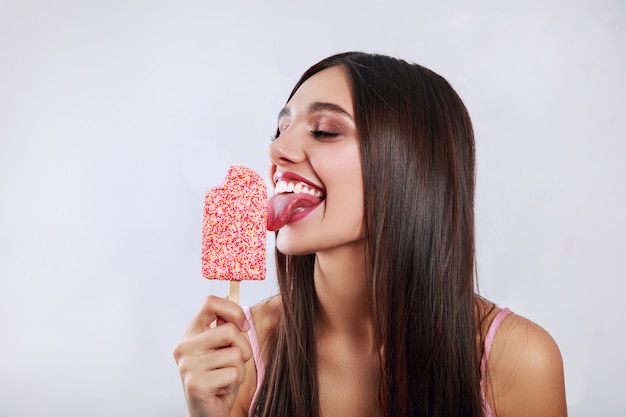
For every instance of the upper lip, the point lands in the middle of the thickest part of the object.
(293, 176)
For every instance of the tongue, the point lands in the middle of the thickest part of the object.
(281, 207)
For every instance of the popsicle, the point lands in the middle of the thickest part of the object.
(234, 229)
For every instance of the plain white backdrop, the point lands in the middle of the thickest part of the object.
(117, 116)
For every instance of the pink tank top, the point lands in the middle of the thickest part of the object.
(258, 360)
(260, 367)
(491, 334)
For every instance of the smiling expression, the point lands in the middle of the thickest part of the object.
(317, 153)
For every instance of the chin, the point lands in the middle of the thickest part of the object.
(286, 248)
(299, 247)
(290, 243)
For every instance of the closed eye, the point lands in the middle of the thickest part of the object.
(321, 134)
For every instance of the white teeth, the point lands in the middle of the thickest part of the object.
(283, 186)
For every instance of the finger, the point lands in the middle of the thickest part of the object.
(227, 335)
(214, 308)
(225, 359)
(224, 381)
(232, 357)
(218, 383)
(223, 336)
(201, 344)
(207, 364)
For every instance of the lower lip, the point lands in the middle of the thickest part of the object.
(302, 214)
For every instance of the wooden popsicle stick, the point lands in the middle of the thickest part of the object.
(233, 295)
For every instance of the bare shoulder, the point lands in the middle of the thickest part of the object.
(525, 376)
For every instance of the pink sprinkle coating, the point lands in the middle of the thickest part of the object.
(234, 229)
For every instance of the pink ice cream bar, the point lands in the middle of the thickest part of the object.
(234, 229)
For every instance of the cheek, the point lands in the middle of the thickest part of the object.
(358, 213)
(358, 200)
(342, 167)
(348, 205)
(347, 182)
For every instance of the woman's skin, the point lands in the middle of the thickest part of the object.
(318, 142)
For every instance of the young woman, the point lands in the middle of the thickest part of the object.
(377, 313)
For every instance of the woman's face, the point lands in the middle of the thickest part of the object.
(316, 169)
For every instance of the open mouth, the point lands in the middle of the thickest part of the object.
(285, 185)
(293, 200)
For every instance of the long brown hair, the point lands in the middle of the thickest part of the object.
(417, 154)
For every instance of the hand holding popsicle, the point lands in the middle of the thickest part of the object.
(234, 229)
(211, 360)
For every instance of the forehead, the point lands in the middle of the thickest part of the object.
(327, 86)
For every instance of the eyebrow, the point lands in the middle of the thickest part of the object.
(318, 106)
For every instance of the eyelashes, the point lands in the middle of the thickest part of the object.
(275, 135)
(317, 134)
(320, 125)
(322, 134)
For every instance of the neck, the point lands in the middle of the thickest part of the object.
(340, 286)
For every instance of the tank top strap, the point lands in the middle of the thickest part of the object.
(491, 334)
(258, 360)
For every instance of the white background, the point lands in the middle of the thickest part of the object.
(116, 116)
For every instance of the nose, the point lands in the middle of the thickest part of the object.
(287, 148)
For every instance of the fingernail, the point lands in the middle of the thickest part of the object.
(246, 325)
